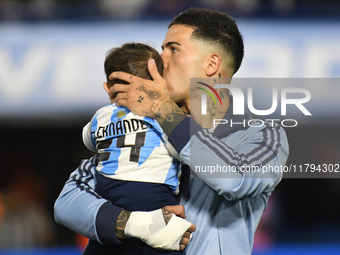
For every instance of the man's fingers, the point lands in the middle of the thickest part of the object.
(187, 234)
(176, 209)
(121, 95)
(117, 89)
(169, 236)
(153, 70)
(120, 102)
(187, 237)
(192, 228)
(120, 98)
(121, 76)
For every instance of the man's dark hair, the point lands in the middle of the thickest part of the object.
(216, 28)
(131, 58)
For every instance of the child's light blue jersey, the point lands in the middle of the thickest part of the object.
(130, 147)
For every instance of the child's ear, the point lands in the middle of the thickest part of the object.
(106, 87)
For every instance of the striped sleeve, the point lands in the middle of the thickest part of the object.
(82, 210)
(263, 150)
(234, 165)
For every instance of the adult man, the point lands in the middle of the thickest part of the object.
(200, 44)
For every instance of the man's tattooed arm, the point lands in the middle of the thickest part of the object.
(121, 223)
(166, 111)
(124, 215)
(169, 115)
(166, 214)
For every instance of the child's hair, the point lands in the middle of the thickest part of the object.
(131, 58)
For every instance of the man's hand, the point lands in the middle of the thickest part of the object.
(141, 96)
(147, 97)
(160, 228)
(179, 211)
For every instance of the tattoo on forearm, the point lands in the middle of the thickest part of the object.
(166, 214)
(170, 118)
(169, 115)
(121, 223)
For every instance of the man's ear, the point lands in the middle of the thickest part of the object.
(213, 65)
(106, 87)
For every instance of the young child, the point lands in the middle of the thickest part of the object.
(136, 169)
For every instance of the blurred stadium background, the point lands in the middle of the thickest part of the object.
(51, 74)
